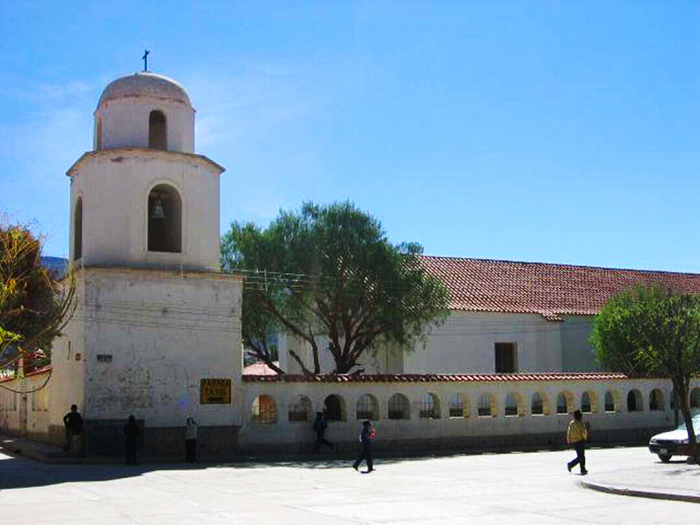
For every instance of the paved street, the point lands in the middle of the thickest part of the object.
(532, 488)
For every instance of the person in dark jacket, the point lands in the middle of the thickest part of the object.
(131, 434)
(73, 422)
(320, 426)
(366, 437)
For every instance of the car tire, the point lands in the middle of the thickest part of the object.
(665, 457)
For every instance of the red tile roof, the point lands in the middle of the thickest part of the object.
(431, 378)
(552, 290)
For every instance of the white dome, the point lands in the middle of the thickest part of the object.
(145, 84)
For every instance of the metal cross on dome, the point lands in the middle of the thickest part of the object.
(145, 59)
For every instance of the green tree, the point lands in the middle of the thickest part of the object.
(329, 271)
(34, 306)
(651, 331)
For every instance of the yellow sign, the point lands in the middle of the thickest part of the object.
(215, 392)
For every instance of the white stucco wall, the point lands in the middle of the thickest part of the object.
(466, 343)
(125, 123)
(282, 431)
(114, 186)
(164, 332)
(577, 354)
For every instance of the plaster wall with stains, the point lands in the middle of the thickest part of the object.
(149, 337)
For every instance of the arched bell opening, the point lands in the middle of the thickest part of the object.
(164, 220)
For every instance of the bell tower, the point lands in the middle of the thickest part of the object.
(142, 197)
(156, 328)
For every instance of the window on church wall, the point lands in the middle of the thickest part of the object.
(430, 407)
(458, 406)
(157, 131)
(78, 230)
(586, 403)
(485, 405)
(609, 402)
(562, 404)
(399, 407)
(537, 406)
(264, 409)
(164, 220)
(333, 408)
(634, 401)
(511, 405)
(656, 400)
(367, 408)
(300, 409)
(506, 358)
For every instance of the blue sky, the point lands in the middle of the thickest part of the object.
(550, 131)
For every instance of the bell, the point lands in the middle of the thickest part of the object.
(157, 210)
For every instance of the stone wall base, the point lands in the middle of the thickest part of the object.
(454, 445)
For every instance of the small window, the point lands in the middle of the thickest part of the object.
(634, 401)
(334, 408)
(157, 130)
(537, 407)
(300, 409)
(562, 404)
(398, 407)
(458, 406)
(505, 358)
(78, 230)
(586, 403)
(511, 405)
(656, 400)
(367, 408)
(264, 409)
(430, 408)
(485, 402)
(609, 402)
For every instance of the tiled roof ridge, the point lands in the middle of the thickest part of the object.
(557, 265)
(434, 378)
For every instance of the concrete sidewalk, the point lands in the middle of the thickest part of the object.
(676, 480)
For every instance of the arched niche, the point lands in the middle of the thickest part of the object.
(164, 220)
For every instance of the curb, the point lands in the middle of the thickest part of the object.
(639, 493)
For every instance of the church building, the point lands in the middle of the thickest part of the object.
(156, 331)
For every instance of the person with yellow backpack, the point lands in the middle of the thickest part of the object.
(577, 435)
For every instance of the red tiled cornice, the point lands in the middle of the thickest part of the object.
(433, 378)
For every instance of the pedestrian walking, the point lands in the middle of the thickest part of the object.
(131, 435)
(367, 436)
(191, 440)
(320, 427)
(73, 422)
(577, 435)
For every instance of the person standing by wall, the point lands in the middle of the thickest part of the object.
(131, 435)
(320, 427)
(367, 436)
(73, 422)
(576, 435)
(191, 440)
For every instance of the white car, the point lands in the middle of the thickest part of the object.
(667, 445)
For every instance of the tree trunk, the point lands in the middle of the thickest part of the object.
(687, 418)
